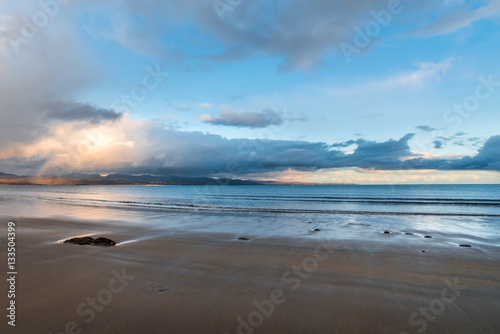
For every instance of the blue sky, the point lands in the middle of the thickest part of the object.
(317, 91)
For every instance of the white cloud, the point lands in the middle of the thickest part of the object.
(413, 79)
(205, 105)
(459, 18)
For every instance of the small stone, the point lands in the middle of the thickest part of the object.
(428, 237)
(387, 232)
(408, 233)
(243, 239)
(465, 246)
(316, 230)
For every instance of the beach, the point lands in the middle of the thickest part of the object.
(173, 281)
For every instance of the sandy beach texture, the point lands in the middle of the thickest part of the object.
(161, 282)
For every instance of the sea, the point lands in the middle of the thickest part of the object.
(272, 210)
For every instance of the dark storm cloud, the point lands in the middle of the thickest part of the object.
(374, 155)
(171, 152)
(487, 158)
(247, 156)
(248, 119)
(73, 111)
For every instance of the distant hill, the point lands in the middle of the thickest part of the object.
(82, 176)
(117, 179)
(177, 180)
(7, 175)
(124, 179)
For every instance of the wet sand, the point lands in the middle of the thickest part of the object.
(156, 281)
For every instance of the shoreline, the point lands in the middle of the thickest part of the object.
(193, 282)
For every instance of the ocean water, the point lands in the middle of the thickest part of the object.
(457, 213)
(454, 200)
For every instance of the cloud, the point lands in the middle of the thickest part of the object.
(438, 144)
(374, 155)
(205, 105)
(487, 158)
(136, 147)
(348, 143)
(50, 66)
(458, 18)
(239, 30)
(456, 139)
(248, 119)
(425, 128)
(411, 79)
(69, 111)
(150, 27)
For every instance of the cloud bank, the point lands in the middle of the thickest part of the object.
(140, 147)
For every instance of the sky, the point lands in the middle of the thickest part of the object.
(361, 91)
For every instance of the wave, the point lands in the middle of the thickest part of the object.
(370, 200)
(312, 199)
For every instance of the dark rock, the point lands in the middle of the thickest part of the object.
(465, 246)
(428, 237)
(387, 232)
(91, 241)
(104, 242)
(80, 241)
(316, 230)
(243, 239)
(310, 222)
(423, 251)
(408, 233)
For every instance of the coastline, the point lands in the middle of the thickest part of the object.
(194, 282)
